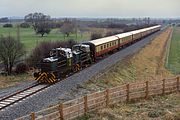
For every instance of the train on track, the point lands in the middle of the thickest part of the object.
(64, 61)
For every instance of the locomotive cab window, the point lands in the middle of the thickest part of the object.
(62, 53)
(76, 48)
(53, 53)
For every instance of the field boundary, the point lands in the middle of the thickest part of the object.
(91, 102)
(168, 46)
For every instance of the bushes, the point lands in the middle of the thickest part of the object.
(24, 25)
(110, 33)
(21, 68)
(43, 49)
(96, 36)
(8, 25)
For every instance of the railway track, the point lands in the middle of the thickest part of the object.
(20, 95)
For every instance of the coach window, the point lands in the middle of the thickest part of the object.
(110, 44)
(97, 49)
(101, 47)
(107, 45)
(104, 46)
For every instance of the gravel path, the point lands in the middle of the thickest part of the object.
(60, 90)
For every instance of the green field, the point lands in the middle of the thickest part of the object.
(174, 53)
(30, 39)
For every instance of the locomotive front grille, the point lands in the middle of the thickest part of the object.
(43, 77)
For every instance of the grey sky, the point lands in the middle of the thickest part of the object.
(92, 8)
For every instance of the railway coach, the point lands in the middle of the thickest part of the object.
(102, 46)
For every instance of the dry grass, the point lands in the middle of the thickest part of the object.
(7, 81)
(156, 108)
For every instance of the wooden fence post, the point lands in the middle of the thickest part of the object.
(32, 116)
(85, 105)
(178, 83)
(127, 90)
(147, 89)
(107, 97)
(163, 90)
(61, 111)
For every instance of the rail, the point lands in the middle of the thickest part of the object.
(20, 95)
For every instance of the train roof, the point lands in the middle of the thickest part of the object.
(119, 36)
(149, 28)
(135, 31)
(122, 35)
(103, 40)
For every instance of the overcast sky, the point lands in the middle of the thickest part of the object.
(92, 8)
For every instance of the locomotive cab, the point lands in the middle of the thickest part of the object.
(81, 54)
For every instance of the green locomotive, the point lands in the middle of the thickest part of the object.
(62, 62)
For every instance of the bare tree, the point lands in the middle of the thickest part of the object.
(40, 22)
(67, 27)
(10, 50)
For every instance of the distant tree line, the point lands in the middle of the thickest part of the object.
(8, 25)
(4, 19)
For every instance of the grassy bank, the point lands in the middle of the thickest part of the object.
(174, 52)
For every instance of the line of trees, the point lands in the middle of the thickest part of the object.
(42, 24)
(4, 19)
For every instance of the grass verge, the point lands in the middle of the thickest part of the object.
(173, 62)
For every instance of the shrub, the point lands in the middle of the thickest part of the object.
(156, 113)
(110, 33)
(43, 49)
(8, 25)
(21, 68)
(24, 25)
(96, 36)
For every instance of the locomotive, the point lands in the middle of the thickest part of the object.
(64, 61)
(61, 62)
